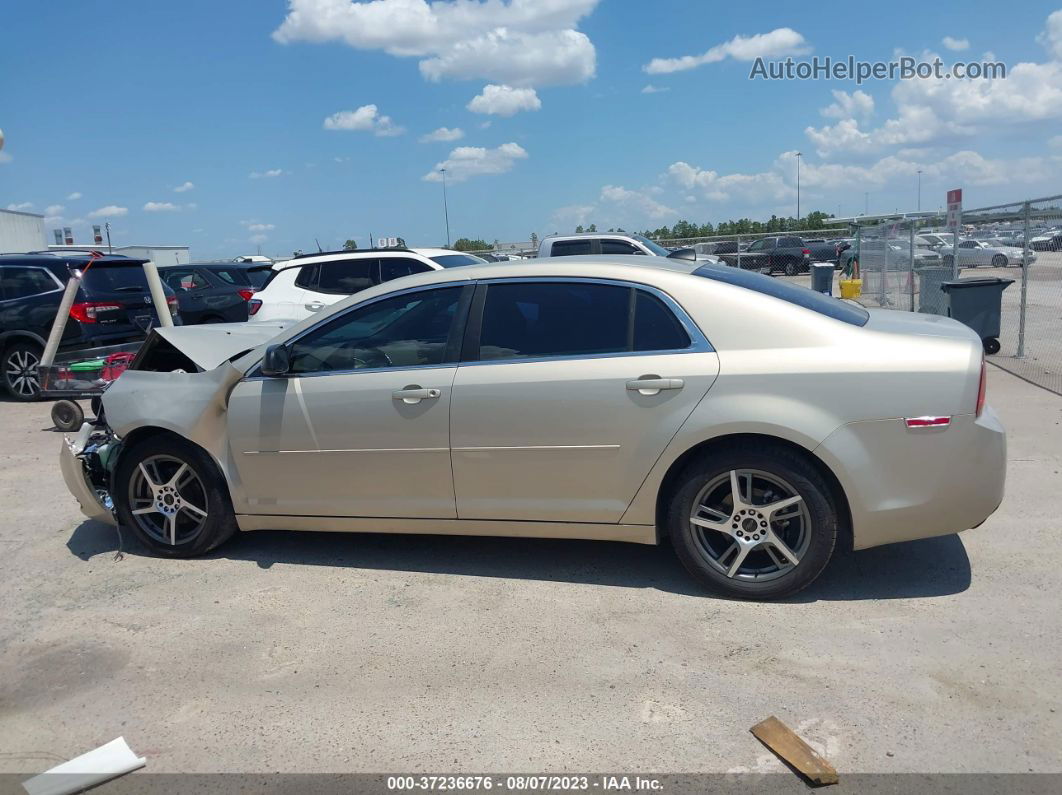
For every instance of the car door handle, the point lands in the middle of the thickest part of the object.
(315, 306)
(415, 394)
(652, 384)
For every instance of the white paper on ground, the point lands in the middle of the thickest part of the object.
(106, 762)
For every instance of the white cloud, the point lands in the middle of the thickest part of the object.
(779, 42)
(161, 207)
(22, 207)
(366, 119)
(1051, 37)
(466, 162)
(443, 134)
(109, 211)
(935, 110)
(54, 209)
(73, 197)
(573, 215)
(504, 100)
(762, 188)
(955, 45)
(651, 89)
(521, 43)
(858, 104)
(256, 227)
(643, 204)
(185, 186)
(273, 172)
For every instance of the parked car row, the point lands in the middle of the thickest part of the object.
(112, 307)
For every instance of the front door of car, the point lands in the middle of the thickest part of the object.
(567, 394)
(360, 424)
(336, 279)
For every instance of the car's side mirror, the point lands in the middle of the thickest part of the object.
(277, 361)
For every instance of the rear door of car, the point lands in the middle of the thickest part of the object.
(614, 246)
(29, 297)
(567, 392)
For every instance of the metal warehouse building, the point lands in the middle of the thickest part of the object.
(21, 232)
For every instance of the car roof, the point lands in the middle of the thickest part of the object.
(45, 259)
(592, 234)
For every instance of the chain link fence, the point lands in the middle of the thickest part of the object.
(902, 263)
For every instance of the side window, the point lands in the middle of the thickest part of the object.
(619, 247)
(346, 276)
(184, 281)
(759, 245)
(969, 244)
(24, 282)
(397, 267)
(533, 319)
(569, 248)
(655, 326)
(307, 277)
(404, 331)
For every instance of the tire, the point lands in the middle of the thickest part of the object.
(200, 485)
(791, 268)
(1000, 261)
(19, 368)
(948, 260)
(808, 528)
(67, 415)
(991, 345)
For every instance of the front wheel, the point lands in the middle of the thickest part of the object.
(1000, 261)
(753, 522)
(67, 415)
(173, 497)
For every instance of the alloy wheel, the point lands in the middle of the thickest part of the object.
(167, 500)
(750, 525)
(20, 370)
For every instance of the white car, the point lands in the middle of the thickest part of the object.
(973, 253)
(310, 282)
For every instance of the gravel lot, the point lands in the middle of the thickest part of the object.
(317, 652)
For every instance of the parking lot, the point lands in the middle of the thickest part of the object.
(318, 652)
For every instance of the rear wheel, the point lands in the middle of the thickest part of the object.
(991, 345)
(20, 361)
(753, 522)
(173, 497)
(999, 261)
(791, 267)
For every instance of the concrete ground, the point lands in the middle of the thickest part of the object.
(316, 652)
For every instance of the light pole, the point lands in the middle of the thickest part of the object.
(798, 156)
(919, 190)
(446, 210)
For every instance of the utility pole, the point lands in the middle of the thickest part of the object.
(798, 156)
(919, 190)
(107, 226)
(446, 210)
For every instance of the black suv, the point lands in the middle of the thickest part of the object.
(215, 292)
(112, 307)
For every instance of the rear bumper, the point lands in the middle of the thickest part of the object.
(904, 484)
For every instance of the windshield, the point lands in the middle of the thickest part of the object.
(456, 260)
(794, 294)
(659, 251)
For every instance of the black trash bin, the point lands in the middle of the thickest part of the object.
(822, 277)
(977, 303)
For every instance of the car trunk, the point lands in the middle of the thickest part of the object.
(116, 297)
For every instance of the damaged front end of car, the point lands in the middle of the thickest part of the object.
(178, 383)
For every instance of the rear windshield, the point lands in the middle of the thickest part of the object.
(456, 260)
(794, 294)
(114, 278)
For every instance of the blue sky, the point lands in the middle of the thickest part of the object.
(262, 111)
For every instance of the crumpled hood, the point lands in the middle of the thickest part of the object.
(210, 345)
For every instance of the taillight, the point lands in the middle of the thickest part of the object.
(253, 305)
(981, 389)
(806, 252)
(245, 293)
(86, 311)
(171, 302)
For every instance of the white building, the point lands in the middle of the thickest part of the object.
(21, 232)
(160, 255)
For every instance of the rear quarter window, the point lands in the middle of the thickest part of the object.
(804, 297)
(569, 248)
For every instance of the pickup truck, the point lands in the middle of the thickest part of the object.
(787, 254)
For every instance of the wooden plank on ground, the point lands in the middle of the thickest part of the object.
(780, 739)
